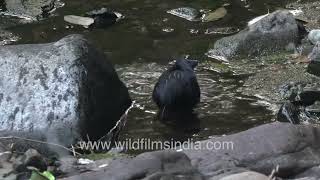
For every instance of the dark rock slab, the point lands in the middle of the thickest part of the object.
(276, 32)
(58, 92)
(148, 166)
(313, 172)
(253, 154)
(294, 148)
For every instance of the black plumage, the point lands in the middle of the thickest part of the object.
(177, 89)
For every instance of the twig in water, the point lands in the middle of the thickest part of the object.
(119, 125)
(272, 176)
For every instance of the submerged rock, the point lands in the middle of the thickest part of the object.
(192, 14)
(273, 33)
(187, 13)
(215, 15)
(58, 92)
(97, 18)
(222, 30)
(31, 9)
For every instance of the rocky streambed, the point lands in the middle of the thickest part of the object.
(56, 94)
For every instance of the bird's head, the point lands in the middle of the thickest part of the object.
(186, 63)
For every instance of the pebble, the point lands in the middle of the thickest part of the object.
(314, 36)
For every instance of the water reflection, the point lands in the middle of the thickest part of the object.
(222, 109)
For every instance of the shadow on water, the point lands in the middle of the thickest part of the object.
(140, 49)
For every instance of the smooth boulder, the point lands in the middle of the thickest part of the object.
(59, 92)
(294, 148)
(275, 32)
(314, 57)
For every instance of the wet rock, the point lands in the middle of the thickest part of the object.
(314, 36)
(187, 13)
(58, 93)
(313, 172)
(79, 20)
(7, 37)
(153, 165)
(31, 9)
(293, 147)
(294, 111)
(273, 33)
(192, 14)
(97, 18)
(289, 112)
(214, 15)
(222, 30)
(314, 56)
(32, 158)
(104, 17)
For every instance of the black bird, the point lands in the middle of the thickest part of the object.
(177, 90)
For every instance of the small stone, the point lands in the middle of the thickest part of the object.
(215, 15)
(187, 13)
(194, 31)
(314, 36)
(79, 20)
(84, 161)
(168, 30)
(34, 159)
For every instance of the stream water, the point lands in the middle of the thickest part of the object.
(141, 51)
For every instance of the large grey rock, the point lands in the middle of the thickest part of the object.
(314, 56)
(166, 165)
(252, 154)
(276, 32)
(312, 173)
(293, 147)
(59, 92)
(28, 8)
